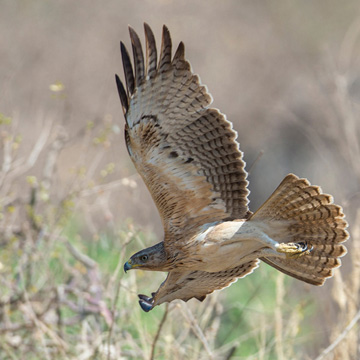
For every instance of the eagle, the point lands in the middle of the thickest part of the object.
(188, 156)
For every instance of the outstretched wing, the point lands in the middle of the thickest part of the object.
(185, 151)
(195, 284)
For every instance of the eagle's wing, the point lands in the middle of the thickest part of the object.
(185, 151)
(195, 284)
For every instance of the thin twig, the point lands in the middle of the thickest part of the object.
(261, 153)
(341, 337)
(52, 156)
(43, 328)
(84, 259)
(196, 329)
(280, 295)
(8, 350)
(117, 292)
(231, 353)
(126, 182)
(156, 338)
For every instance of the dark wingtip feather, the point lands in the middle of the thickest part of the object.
(165, 53)
(122, 94)
(166, 30)
(128, 70)
(151, 52)
(138, 56)
(180, 52)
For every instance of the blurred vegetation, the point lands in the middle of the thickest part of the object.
(73, 209)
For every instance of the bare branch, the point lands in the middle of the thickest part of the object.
(84, 259)
(196, 328)
(156, 338)
(340, 338)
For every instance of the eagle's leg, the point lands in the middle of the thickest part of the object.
(294, 250)
(290, 250)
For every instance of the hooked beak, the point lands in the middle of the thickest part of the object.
(127, 266)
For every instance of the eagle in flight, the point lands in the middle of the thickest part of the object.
(187, 154)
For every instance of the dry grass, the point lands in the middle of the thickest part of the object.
(72, 208)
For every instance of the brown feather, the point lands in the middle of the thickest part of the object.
(165, 52)
(299, 212)
(138, 57)
(151, 52)
(128, 70)
(122, 95)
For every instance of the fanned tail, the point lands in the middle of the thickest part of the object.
(300, 213)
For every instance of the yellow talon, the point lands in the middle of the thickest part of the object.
(294, 250)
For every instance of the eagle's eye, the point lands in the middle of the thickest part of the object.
(143, 257)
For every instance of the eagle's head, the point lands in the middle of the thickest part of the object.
(153, 258)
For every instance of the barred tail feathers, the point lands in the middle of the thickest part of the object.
(299, 212)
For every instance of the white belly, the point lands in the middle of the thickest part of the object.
(228, 244)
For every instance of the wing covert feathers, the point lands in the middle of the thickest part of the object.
(299, 212)
(199, 284)
(185, 151)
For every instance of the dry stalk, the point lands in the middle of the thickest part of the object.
(196, 328)
(117, 292)
(340, 338)
(280, 293)
(157, 335)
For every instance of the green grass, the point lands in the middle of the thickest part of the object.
(244, 312)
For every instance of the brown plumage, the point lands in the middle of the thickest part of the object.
(188, 156)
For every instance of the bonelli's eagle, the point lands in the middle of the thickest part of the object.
(187, 154)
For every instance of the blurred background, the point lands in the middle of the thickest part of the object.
(73, 209)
